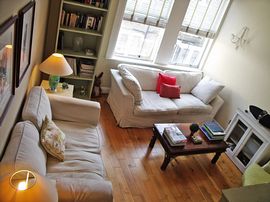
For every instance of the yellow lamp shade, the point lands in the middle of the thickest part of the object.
(27, 186)
(56, 65)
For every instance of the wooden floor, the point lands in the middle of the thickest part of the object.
(136, 175)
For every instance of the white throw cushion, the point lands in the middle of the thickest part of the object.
(24, 150)
(36, 107)
(207, 89)
(187, 80)
(131, 84)
(52, 139)
(146, 76)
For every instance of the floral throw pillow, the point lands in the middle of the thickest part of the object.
(52, 139)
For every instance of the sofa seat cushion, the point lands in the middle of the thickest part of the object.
(80, 136)
(153, 104)
(146, 76)
(187, 80)
(36, 107)
(76, 161)
(189, 104)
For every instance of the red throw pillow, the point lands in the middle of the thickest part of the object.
(169, 91)
(163, 78)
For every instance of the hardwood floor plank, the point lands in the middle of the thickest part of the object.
(135, 171)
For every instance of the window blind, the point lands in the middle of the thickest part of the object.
(150, 12)
(204, 16)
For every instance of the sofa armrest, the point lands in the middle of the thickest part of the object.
(74, 110)
(118, 80)
(83, 190)
(255, 174)
(216, 104)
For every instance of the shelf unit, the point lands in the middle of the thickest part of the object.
(249, 141)
(90, 34)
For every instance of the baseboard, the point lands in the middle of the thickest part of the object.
(105, 90)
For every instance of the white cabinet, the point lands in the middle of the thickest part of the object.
(248, 140)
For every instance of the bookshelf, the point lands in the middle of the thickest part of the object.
(79, 34)
(249, 141)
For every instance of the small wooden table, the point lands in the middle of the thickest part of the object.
(59, 90)
(190, 148)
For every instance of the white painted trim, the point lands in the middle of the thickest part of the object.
(172, 29)
(116, 27)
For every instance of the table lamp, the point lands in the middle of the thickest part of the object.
(56, 66)
(25, 185)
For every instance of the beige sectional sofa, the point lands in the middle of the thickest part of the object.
(81, 176)
(154, 108)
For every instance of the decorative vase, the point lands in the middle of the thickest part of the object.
(194, 127)
(77, 43)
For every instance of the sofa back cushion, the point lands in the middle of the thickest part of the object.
(24, 150)
(146, 76)
(132, 84)
(36, 107)
(207, 89)
(187, 80)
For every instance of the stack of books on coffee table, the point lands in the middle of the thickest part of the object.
(174, 136)
(213, 131)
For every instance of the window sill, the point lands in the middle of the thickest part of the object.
(155, 65)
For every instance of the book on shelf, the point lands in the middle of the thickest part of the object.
(79, 20)
(73, 64)
(175, 136)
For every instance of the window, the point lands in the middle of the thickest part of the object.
(167, 31)
(198, 28)
(142, 28)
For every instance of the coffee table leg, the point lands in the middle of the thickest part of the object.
(153, 141)
(166, 161)
(215, 158)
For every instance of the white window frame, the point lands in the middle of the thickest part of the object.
(168, 41)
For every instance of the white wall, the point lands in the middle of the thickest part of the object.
(245, 71)
(7, 9)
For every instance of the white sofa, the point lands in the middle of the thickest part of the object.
(81, 176)
(154, 108)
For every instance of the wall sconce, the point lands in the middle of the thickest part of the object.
(240, 38)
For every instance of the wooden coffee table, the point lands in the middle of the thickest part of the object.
(190, 148)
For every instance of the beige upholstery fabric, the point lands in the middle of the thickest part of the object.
(154, 104)
(82, 153)
(207, 89)
(74, 110)
(80, 136)
(53, 139)
(189, 104)
(146, 76)
(83, 190)
(36, 107)
(131, 84)
(187, 80)
(24, 150)
(76, 161)
(121, 102)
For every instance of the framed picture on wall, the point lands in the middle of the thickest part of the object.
(7, 84)
(24, 40)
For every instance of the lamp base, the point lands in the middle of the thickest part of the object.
(53, 82)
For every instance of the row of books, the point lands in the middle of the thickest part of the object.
(174, 136)
(81, 68)
(96, 3)
(79, 20)
(212, 130)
